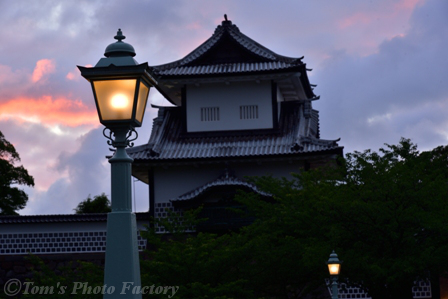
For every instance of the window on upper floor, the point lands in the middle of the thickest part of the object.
(210, 114)
(249, 112)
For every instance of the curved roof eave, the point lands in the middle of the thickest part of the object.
(225, 180)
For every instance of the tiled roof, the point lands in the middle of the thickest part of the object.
(296, 135)
(183, 66)
(227, 68)
(230, 55)
(225, 180)
(94, 217)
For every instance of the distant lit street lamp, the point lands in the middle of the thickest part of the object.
(334, 266)
(120, 88)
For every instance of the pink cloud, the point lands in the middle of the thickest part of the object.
(356, 19)
(194, 26)
(408, 4)
(43, 67)
(8, 76)
(72, 76)
(75, 74)
(50, 111)
(367, 17)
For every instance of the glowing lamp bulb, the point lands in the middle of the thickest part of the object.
(334, 269)
(119, 101)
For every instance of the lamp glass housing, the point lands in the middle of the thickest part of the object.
(121, 101)
(143, 93)
(334, 269)
(115, 98)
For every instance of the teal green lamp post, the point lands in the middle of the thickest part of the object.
(120, 87)
(334, 266)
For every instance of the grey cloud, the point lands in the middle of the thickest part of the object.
(405, 75)
(87, 171)
(52, 201)
(402, 87)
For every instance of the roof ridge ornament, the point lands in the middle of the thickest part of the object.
(226, 22)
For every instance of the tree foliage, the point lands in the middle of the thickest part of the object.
(262, 260)
(383, 212)
(11, 197)
(387, 215)
(72, 279)
(99, 204)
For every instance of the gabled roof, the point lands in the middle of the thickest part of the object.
(296, 136)
(228, 45)
(224, 180)
(229, 53)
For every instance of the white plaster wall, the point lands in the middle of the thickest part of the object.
(229, 98)
(280, 99)
(172, 182)
(279, 96)
(275, 169)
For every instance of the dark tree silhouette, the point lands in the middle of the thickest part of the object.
(99, 204)
(11, 197)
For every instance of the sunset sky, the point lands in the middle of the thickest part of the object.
(381, 68)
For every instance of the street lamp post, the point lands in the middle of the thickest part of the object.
(334, 266)
(120, 87)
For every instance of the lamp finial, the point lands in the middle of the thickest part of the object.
(119, 48)
(119, 35)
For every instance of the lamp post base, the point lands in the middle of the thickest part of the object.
(334, 288)
(122, 269)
